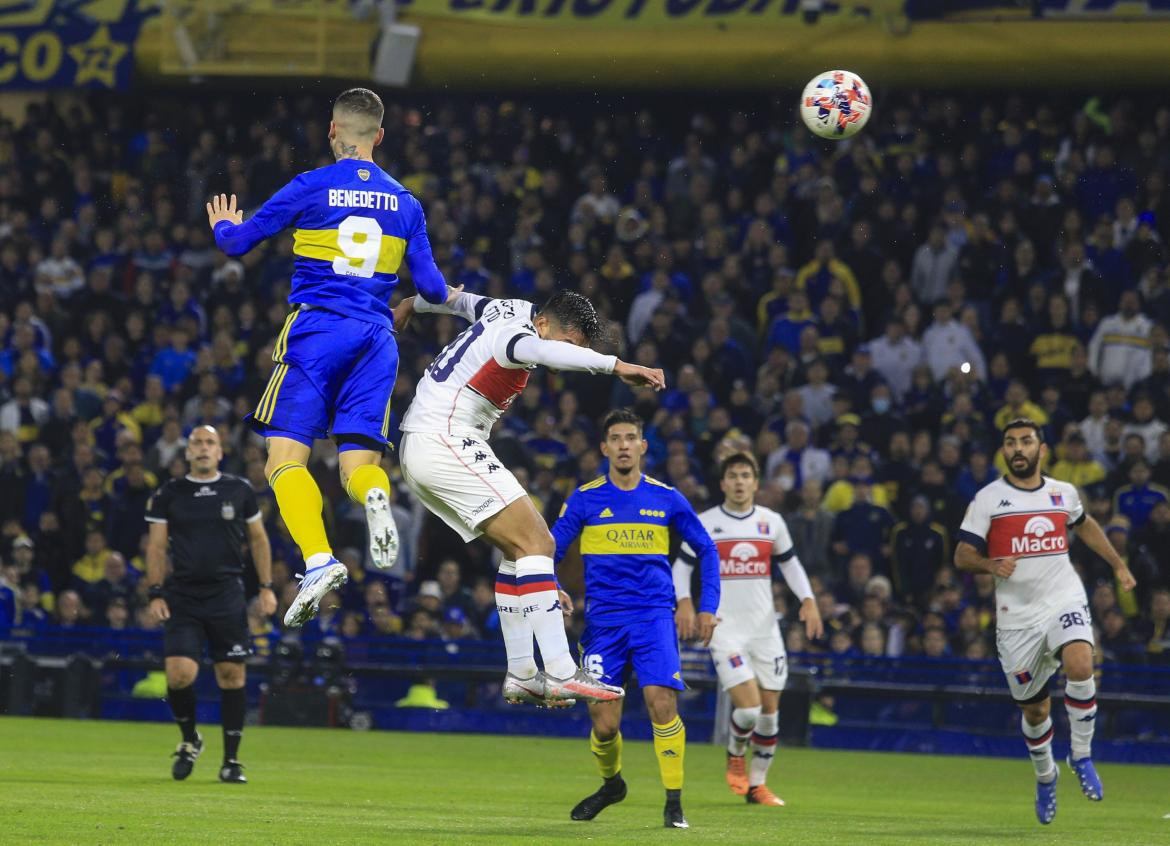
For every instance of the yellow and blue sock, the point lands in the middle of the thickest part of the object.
(608, 754)
(300, 503)
(364, 479)
(670, 742)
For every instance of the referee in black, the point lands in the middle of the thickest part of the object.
(204, 519)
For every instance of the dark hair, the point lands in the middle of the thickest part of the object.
(361, 101)
(620, 415)
(573, 311)
(1024, 423)
(735, 460)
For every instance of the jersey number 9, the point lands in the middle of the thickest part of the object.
(359, 239)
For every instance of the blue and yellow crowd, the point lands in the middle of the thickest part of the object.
(861, 316)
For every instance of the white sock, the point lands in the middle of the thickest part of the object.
(743, 720)
(1080, 700)
(537, 589)
(1039, 740)
(317, 559)
(763, 747)
(515, 628)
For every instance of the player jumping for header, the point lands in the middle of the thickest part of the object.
(354, 226)
(746, 648)
(1016, 528)
(449, 465)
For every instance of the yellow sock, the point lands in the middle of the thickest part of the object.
(670, 742)
(608, 754)
(364, 479)
(300, 503)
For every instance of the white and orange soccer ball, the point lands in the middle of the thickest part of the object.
(835, 104)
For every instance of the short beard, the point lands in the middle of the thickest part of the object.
(625, 471)
(1028, 471)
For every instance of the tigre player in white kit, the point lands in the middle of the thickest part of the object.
(746, 648)
(1016, 528)
(448, 464)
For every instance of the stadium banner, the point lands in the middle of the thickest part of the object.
(46, 44)
(657, 13)
(771, 45)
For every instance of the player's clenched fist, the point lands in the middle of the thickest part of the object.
(1004, 567)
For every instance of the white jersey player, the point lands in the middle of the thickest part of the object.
(448, 464)
(746, 648)
(1016, 528)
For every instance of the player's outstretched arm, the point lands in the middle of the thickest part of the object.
(1089, 530)
(967, 557)
(561, 355)
(235, 236)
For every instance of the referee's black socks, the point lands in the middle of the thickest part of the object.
(233, 704)
(182, 702)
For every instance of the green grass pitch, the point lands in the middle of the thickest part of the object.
(109, 783)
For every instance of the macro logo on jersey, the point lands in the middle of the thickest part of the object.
(744, 559)
(625, 539)
(1023, 535)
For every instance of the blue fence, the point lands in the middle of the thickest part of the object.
(906, 704)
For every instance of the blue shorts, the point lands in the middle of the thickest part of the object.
(649, 647)
(334, 375)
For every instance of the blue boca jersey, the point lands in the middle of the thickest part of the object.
(625, 545)
(354, 227)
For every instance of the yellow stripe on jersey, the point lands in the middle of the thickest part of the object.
(596, 483)
(626, 539)
(656, 482)
(323, 244)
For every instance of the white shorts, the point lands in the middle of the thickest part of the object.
(458, 479)
(1029, 657)
(740, 657)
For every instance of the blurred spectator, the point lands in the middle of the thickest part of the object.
(811, 527)
(1119, 351)
(1138, 498)
(919, 550)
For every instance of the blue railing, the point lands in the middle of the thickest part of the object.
(911, 673)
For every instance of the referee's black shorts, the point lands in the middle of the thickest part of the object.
(219, 620)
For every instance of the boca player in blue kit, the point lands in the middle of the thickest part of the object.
(354, 227)
(624, 521)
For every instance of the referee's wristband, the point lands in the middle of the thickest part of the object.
(267, 586)
(155, 591)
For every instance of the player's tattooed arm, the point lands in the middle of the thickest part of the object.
(1089, 530)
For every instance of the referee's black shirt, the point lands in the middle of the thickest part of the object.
(205, 527)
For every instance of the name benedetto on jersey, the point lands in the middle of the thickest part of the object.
(1032, 526)
(747, 545)
(475, 378)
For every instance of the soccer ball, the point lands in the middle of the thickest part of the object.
(835, 104)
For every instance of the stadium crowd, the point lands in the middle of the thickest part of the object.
(863, 317)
